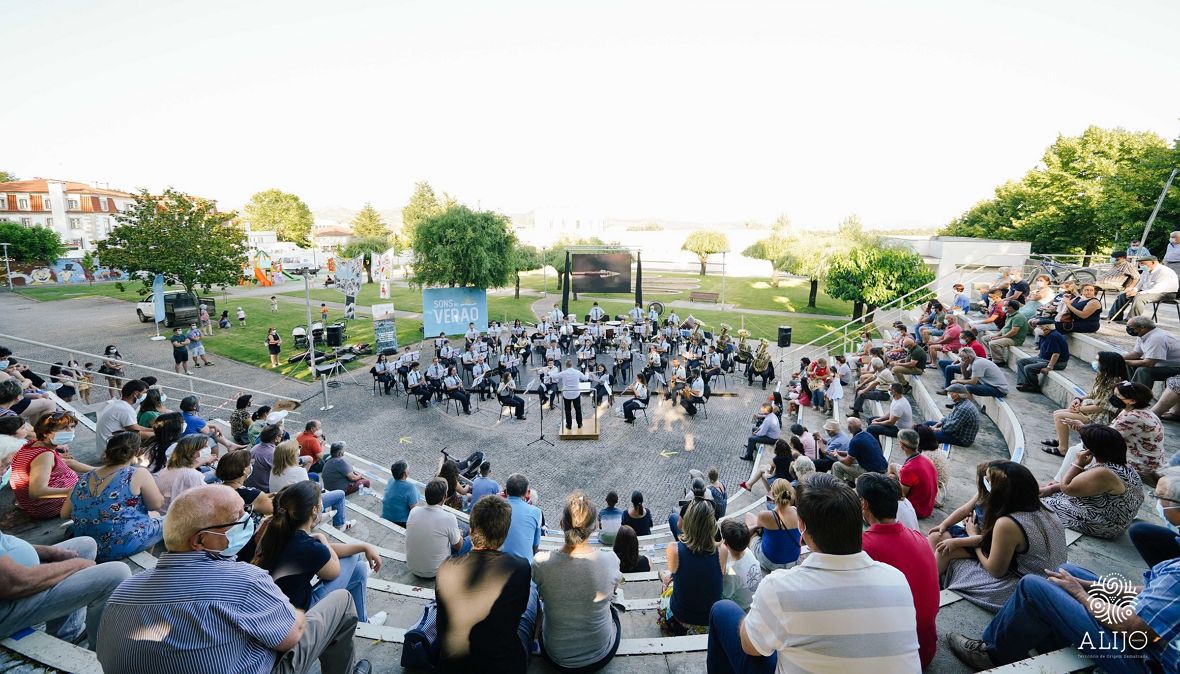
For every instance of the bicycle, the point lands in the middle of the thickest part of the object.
(1060, 272)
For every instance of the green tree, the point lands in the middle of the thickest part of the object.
(773, 249)
(704, 243)
(780, 226)
(423, 204)
(38, 245)
(182, 237)
(283, 213)
(524, 258)
(88, 265)
(872, 275)
(811, 261)
(8, 177)
(462, 247)
(554, 255)
(851, 230)
(367, 246)
(368, 223)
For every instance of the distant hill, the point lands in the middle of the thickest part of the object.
(392, 216)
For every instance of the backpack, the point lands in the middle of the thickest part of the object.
(420, 649)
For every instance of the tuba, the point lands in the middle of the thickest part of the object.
(743, 347)
(762, 358)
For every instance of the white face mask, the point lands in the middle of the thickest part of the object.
(1161, 510)
(1039, 332)
(987, 484)
(142, 397)
(1094, 365)
(4, 364)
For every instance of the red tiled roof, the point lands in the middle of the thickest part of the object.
(41, 185)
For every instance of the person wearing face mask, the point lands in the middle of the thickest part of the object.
(1053, 354)
(246, 622)
(1156, 282)
(111, 503)
(119, 414)
(43, 472)
(1156, 354)
(1097, 406)
(1156, 543)
(151, 407)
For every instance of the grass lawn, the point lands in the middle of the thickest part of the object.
(50, 293)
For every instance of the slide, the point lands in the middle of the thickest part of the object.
(262, 277)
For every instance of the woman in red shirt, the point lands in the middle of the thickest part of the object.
(43, 473)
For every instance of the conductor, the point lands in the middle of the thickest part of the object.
(570, 380)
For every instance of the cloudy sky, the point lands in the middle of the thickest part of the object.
(904, 112)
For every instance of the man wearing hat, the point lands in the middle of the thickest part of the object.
(960, 426)
(1053, 355)
(1157, 282)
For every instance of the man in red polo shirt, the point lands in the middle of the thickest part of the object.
(311, 445)
(890, 542)
(917, 474)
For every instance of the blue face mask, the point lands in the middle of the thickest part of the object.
(1094, 365)
(63, 437)
(163, 397)
(4, 364)
(236, 537)
(1159, 510)
(4, 478)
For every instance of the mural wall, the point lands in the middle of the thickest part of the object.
(62, 272)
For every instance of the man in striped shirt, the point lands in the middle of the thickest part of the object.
(201, 611)
(838, 611)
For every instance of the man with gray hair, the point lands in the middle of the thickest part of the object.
(917, 474)
(960, 426)
(1156, 354)
(1157, 282)
(864, 455)
(1157, 543)
(980, 376)
(874, 388)
(199, 610)
(899, 416)
(524, 536)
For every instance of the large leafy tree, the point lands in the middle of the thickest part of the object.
(423, 204)
(554, 255)
(524, 258)
(871, 275)
(39, 245)
(773, 249)
(182, 237)
(367, 246)
(1088, 193)
(283, 213)
(462, 247)
(811, 261)
(368, 222)
(703, 243)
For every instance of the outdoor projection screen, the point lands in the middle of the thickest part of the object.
(601, 272)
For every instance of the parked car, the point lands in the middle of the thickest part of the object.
(180, 308)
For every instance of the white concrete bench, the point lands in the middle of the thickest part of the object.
(53, 652)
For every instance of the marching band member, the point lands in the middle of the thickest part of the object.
(543, 325)
(481, 348)
(552, 350)
(596, 313)
(479, 378)
(381, 370)
(639, 390)
(654, 364)
(510, 362)
(446, 355)
(712, 366)
(652, 314)
(565, 335)
(585, 355)
(674, 319)
(602, 387)
(506, 394)
(547, 384)
(636, 313)
(622, 358)
(556, 315)
(677, 382)
(434, 377)
(469, 358)
(517, 329)
(439, 342)
(415, 386)
(472, 334)
(454, 389)
(694, 395)
(570, 381)
(596, 334)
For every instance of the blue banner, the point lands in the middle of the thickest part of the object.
(158, 297)
(449, 310)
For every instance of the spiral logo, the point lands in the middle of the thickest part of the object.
(1106, 599)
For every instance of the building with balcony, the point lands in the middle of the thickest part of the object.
(80, 213)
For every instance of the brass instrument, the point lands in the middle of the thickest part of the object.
(762, 358)
(723, 338)
(743, 347)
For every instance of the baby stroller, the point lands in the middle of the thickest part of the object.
(299, 336)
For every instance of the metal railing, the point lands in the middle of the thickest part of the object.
(845, 334)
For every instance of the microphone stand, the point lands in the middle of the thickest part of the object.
(541, 418)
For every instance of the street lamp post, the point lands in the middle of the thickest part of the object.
(7, 269)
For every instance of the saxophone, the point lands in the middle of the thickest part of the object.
(743, 347)
(762, 358)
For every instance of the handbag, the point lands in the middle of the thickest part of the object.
(420, 648)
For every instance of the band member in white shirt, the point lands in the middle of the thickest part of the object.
(639, 390)
(596, 312)
(654, 363)
(552, 351)
(570, 380)
(472, 334)
(468, 360)
(652, 314)
(694, 395)
(383, 371)
(712, 366)
(510, 363)
(596, 334)
(677, 382)
(585, 355)
(565, 335)
(481, 349)
(674, 319)
(636, 313)
(547, 384)
(543, 325)
(416, 387)
(439, 342)
(506, 394)
(556, 315)
(446, 355)
(622, 357)
(602, 387)
(454, 389)
(479, 378)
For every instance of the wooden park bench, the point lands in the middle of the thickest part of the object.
(700, 296)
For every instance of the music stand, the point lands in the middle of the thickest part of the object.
(541, 417)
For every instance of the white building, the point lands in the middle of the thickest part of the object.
(949, 254)
(81, 214)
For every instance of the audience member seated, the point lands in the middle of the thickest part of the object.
(580, 629)
(14, 434)
(239, 420)
(119, 414)
(767, 433)
(1017, 536)
(166, 431)
(1100, 494)
(285, 467)
(59, 585)
(930, 448)
(1080, 314)
(232, 470)
(917, 475)
(151, 407)
(311, 446)
(906, 550)
(914, 362)
(776, 532)
(781, 624)
(900, 415)
(740, 570)
(1015, 331)
(494, 633)
(1053, 354)
(993, 321)
(432, 533)
(1160, 543)
(981, 376)
(111, 503)
(190, 408)
(906, 516)
(339, 475)
(949, 341)
(181, 474)
(30, 405)
(692, 581)
(242, 622)
(626, 547)
(864, 455)
(401, 496)
(1157, 282)
(258, 422)
(638, 517)
(779, 468)
(962, 424)
(292, 554)
(43, 471)
(610, 519)
(1168, 406)
(1060, 612)
(524, 536)
(1156, 354)
(1094, 407)
(1141, 428)
(263, 458)
(483, 485)
(875, 387)
(457, 492)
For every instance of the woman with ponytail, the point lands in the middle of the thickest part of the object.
(292, 554)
